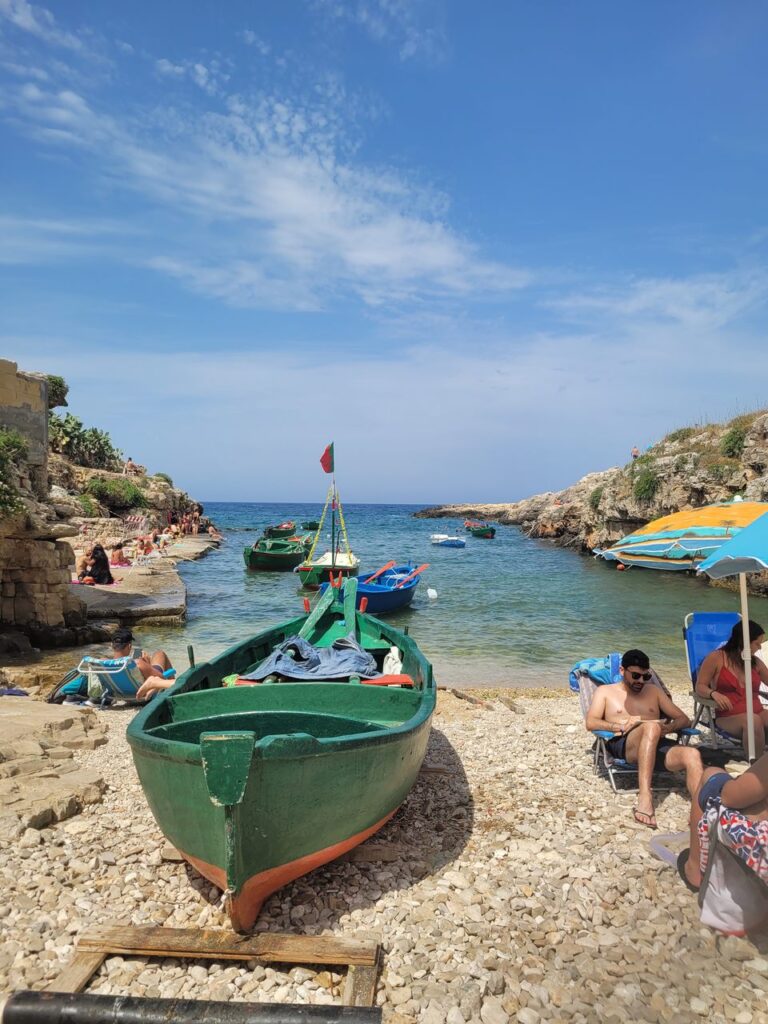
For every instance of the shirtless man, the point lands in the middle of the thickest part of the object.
(642, 716)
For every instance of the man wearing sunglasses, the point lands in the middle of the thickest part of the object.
(641, 716)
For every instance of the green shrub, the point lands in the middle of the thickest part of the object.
(13, 447)
(646, 484)
(733, 440)
(116, 494)
(85, 446)
(680, 435)
(90, 508)
(594, 498)
(164, 476)
(58, 390)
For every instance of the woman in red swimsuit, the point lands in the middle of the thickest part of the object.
(721, 678)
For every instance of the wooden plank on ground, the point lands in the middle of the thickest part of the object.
(221, 945)
(78, 971)
(360, 986)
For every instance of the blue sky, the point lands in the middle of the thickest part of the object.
(484, 248)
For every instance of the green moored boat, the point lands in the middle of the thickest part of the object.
(313, 524)
(476, 529)
(286, 529)
(258, 784)
(272, 555)
(336, 562)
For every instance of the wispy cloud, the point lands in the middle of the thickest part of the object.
(414, 27)
(30, 240)
(39, 22)
(701, 301)
(303, 221)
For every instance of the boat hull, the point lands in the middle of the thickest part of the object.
(486, 532)
(283, 530)
(272, 561)
(314, 575)
(256, 785)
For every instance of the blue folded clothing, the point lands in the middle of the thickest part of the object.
(296, 659)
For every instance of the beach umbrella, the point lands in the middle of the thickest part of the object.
(682, 540)
(746, 552)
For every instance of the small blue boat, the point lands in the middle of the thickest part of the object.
(446, 540)
(389, 590)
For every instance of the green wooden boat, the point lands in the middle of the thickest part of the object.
(274, 555)
(338, 561)
(258, 784)
(286, 529)
(477, 529)
(313, 524)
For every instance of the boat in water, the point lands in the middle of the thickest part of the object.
(312, 524)
(339, 561)
(286, 750)
(270, 554)
(391, 588)
(478, 529)
(286, 529)
(445, 540)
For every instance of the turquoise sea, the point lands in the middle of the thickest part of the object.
(509, 611)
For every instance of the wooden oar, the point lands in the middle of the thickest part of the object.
(380, 571)
(410, 576)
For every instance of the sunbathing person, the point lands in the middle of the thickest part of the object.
(748, 793)
(82, 562)
(151, 666)
(721, 679)
(119, 557)
(98, 568)
(642, 716)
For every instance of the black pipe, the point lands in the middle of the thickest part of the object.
(82, 1008)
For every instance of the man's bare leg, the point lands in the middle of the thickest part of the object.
(642, 743)
(688, 760)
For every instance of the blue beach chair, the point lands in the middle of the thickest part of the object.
(120, 678)
(584, 678)
(704, 632)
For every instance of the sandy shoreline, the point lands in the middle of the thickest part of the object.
(519, 888)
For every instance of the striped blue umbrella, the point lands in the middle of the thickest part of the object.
(746, 552)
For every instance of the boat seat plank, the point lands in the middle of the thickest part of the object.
(359, 986)
(208, 944)
(78, 971)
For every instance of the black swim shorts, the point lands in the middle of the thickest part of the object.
(617, 747)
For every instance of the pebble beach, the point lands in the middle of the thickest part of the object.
(511, 885)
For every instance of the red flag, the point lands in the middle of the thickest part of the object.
(326, 459)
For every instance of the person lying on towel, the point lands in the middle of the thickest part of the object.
(642, 716)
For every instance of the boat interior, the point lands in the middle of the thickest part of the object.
(319, 710)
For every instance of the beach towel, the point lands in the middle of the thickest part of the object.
(600, 670)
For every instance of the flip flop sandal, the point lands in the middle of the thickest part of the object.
(639, 815)
(682, 860)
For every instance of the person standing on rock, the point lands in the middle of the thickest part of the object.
(635, 453)
(642, 717)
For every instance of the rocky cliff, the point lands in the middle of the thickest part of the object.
(48, 502)
(688, 468)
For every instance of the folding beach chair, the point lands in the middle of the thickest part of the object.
(704, 632)
(120, 678)
(585, 677)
